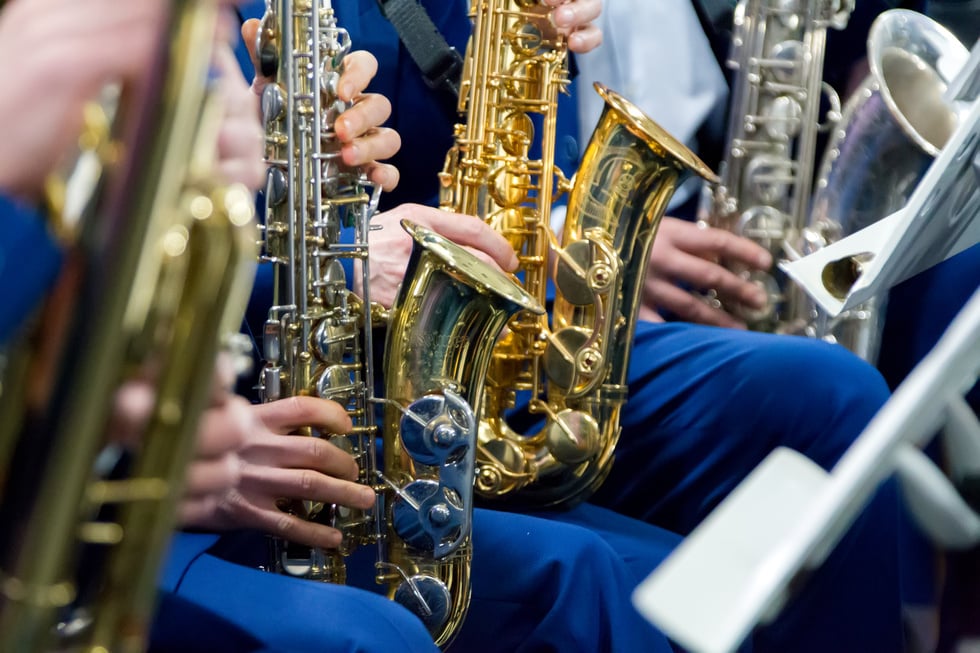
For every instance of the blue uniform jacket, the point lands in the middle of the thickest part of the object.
(29, 262)
(419, 115)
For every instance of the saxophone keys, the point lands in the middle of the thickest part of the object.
(505, 467)
(764, 225)
(436, 429)
(573, 437)
(273, 104)
(428, 598)
(572, 361)
(335, 383)
(783, 118)
(429, 517)
(585, 268)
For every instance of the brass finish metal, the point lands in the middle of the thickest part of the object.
(446, 318)
(157, 268)
(319, 337)
(573, 370)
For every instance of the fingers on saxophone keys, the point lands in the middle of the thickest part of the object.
(688, 307)
(585, 39)
(287, 415)
(294, 529)
(306, 485)
(359, 68)
(370, 111)
(384, 175)
(375, 145)
(303, 452)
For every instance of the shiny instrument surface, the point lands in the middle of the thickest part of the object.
(448, 314)
(319, 337)
(318, 331)
(766, 175)
(571, 373)
(893, 126)
(157, 268)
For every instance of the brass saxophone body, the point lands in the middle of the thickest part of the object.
(574, 369)
(767, 172)
(157, 268)
(449, 312)
(319, 337)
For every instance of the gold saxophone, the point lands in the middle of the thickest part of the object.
(157, 267)
(319, 337)
(573, 370)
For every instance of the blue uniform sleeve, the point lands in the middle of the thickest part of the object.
(29, 263)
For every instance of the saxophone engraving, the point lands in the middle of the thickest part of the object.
(574, 370)
(157, 267)
(766, 176)
(318, 338)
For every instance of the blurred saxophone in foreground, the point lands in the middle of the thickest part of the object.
(319, 336)
(767, 172)
(157, 269)
(572, 372)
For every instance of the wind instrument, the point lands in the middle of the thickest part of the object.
(319, 337)
(893, 127)
(157, 268)
(767, 172)
(572, 372)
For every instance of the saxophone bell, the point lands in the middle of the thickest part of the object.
(445, 321)
(892, 128)
(629, 171)
(571, 372)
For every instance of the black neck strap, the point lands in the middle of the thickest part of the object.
(440, 63)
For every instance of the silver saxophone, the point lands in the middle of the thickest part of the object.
(318, 339)
(893, 126)
(316, 327)
(766, 175)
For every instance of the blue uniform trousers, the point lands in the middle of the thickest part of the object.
(706, 405)
(538, 585)
(920, 309)
(554, 582)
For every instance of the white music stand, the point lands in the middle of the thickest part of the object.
(733, 571)
(941, 219)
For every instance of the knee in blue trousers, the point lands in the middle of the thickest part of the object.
(538, 585)
(707, 405)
